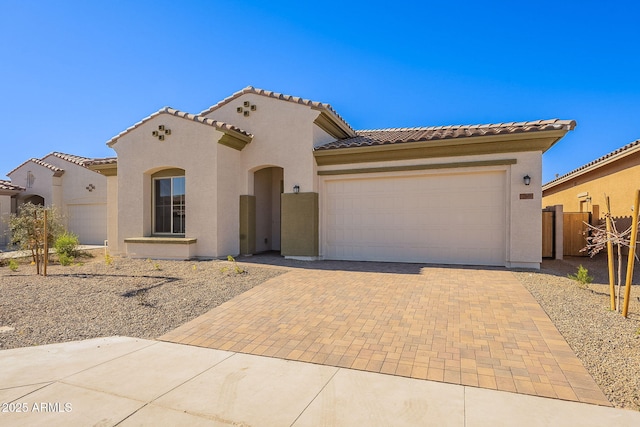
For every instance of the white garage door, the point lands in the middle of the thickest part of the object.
(89, 222)
(432, 218)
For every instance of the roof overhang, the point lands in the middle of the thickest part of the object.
(609, 159)
(466, 146)
(329, 123)
(106, 169)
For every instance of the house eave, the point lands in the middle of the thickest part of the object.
(588, 169)
(106, 170)
(332, 126)
(453, 147)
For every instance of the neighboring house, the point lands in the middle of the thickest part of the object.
(261, 171)
(78, 193)
(616, 174)
(8, 203)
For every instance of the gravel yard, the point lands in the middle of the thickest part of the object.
(136, 298)
(145, 299)
(607, 343)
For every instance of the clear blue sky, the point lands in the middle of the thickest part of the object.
(75, 73)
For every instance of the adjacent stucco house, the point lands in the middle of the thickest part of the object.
(8, 203)
(263, 171)
(616, 174)
(64, 182)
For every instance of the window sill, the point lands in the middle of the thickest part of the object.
(162, 240)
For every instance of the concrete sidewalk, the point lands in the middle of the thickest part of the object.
(128, 381)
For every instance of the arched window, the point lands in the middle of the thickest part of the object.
(169, 208)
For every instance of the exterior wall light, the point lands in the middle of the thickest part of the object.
(527, 180)
(296, 189)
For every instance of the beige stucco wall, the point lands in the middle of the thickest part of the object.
(191, 146)
(44, 183)
(228, 177)
(75, 181)
(283, 137)
(112, 213)
(619, 185)
(524, 226)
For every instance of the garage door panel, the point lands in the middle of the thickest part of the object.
(448, 218)
(88, 222)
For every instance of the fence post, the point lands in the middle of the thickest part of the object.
(632, 254)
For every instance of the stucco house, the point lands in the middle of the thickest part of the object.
(261, 171)
(616, 174)
(64, 182)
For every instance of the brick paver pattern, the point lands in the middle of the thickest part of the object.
(476, 327)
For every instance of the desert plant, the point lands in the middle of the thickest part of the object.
(108, 259)
(65, 259)
(13, 265)
(67, 244)
(581, 276)
(28, 230)
(236, 267)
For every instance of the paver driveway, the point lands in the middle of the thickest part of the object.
(476, 327)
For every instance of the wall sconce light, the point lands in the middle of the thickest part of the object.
(527, 180)
(296, 189)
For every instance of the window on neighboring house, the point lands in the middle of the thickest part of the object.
(169, 205)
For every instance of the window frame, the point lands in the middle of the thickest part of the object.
(154, 206)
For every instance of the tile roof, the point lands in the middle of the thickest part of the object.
(614, 155)
(8, 186)
(402, 135)
(56, 170)
(276, 95)
(221, 126)
(103, 161)
(78, 160)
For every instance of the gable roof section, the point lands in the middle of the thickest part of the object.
(227, 129)
(78, 160)
(56, 170)
(442, 141)
(328, 120)
(7, 188)
(611, 157)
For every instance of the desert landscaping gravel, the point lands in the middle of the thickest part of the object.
(147, 298)
(130, 297)
(607, 344)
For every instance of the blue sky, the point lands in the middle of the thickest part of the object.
(75, 73)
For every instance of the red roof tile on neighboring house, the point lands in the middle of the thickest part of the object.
(614, 155)
(8, 186)
(402, 135)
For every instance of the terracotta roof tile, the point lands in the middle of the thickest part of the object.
(620, 152)
(78, 160)
(56, 170)
(224, 127)
(103, 161)
(276, 95)
(402, 135)
(8, 186)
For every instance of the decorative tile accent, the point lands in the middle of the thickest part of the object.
(246, 108)
(161, 132)
(90, 187)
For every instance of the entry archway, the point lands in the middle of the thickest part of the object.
(268, 185)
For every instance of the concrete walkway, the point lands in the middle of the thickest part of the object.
(469, 326)
(131, 382)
